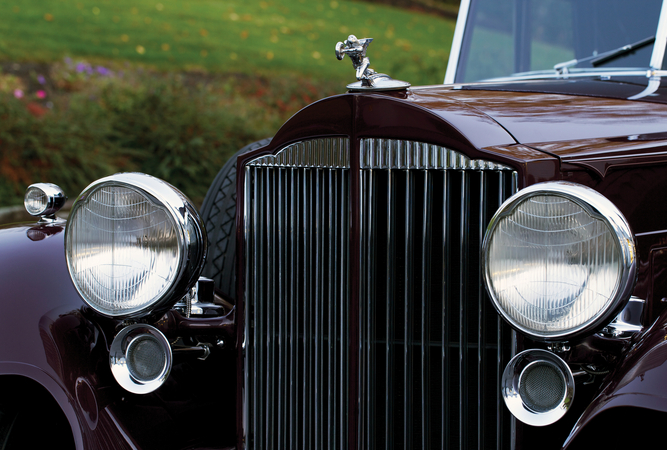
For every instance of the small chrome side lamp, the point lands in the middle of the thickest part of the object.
(44, 200)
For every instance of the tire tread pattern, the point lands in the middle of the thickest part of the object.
(218, 212)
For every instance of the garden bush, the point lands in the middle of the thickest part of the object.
(87, 121)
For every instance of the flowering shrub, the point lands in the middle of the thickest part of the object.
(85, 121)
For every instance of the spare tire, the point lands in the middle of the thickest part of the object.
(218, 212)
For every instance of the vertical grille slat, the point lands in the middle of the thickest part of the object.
(389, 317)
(430, 349)
(281, 308)
(463, 314)
(446, 353)
(426, 243)
(407, 318)
(481, 305)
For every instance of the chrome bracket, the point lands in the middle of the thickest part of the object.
(558, 347)
(187, 306)
(628, 321)
(198, 301)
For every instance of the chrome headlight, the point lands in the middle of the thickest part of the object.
(133, 245)
(559, 259)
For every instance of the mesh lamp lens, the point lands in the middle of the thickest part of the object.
(131, 242)
(538, 387)
(559, 260)
(140, 358)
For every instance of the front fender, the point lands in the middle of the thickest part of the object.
(35, 287)
(45, 335)
(639, 381)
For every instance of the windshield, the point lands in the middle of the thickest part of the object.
(506, 37)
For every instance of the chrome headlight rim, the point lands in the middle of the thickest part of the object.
(191, 235)
(598, 206)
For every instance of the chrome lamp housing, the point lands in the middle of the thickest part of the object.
(538, 387)
(44, 199)
(559, 261)
(140, 358)
(134, 245)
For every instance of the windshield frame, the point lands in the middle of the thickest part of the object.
(657, 55)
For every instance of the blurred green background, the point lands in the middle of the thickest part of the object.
(173, 88)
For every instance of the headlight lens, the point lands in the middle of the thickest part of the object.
(43, 199)
(559, 259)
(133, 243)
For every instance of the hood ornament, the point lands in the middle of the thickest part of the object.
(368, 78)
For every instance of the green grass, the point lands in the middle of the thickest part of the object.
(228, 36)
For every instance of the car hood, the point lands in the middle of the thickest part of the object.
(577, 121)
(542, 115)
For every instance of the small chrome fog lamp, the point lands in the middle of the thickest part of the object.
(140, 358)
(538, 387)
(43, 199)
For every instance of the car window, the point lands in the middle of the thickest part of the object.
(516, 36)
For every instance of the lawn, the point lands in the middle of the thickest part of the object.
(229, 36)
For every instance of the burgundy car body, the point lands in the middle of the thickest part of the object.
(582, 130)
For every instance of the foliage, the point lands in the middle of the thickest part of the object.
(96, 121)
(67, 148)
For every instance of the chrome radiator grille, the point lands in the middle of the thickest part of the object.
(297, 297)
(432, 346)
(429, 348)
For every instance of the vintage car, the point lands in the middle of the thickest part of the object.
(478, 264)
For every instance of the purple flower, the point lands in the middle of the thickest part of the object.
(80, 67)
(41, 79)
(68, 60)
(103, 71)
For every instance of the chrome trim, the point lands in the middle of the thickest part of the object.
(457, 41)
(658, 54)
(597, 206)
(315, 153)
(121, 347)
(398, 154)
(651, 88)
(580, 73)
(628, 321)
(192, 239)
(511, 382)
(55, 200)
